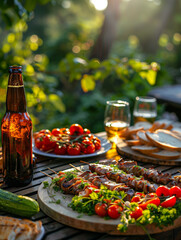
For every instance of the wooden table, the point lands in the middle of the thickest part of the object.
(55, 230)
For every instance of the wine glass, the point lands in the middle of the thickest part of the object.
(116, 120)
(145, 109)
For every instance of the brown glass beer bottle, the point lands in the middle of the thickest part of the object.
(16, 131)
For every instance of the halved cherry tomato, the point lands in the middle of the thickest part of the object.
(114, 211)
(162, 190)
(87, 147)
(175, 190)
(138, 212)
(73, 149)
(60, 149)
(169, 202)
(76, 129)
(101, 209)
(155, 201)
(135, 199)
(56, 131)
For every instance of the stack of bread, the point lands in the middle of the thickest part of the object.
(158, 140)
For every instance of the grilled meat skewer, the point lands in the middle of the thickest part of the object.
(152, 174)
(80, 183)
(121, 177)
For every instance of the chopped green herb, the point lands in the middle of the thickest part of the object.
(45, 184)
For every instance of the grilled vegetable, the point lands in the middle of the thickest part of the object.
(17, 204)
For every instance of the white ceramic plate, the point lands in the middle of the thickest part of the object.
(105, 146)
(41, 234)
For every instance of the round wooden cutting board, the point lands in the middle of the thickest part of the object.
(125, 150)
(64, 214)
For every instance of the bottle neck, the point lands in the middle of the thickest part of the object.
(15, 99)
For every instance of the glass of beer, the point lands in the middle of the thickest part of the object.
(145, 109)
(117, 119)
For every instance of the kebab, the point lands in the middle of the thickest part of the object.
(149, 174)
(83, 183)
(119, 176)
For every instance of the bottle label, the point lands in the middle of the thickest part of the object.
(12, 86)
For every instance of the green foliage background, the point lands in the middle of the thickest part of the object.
(52, 42)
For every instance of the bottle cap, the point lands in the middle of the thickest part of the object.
(15, 69)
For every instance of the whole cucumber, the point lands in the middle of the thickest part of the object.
(19, 205)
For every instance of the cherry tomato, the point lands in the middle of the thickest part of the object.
(86, 131)
(114, 211)
(60, 149)
(87, 147)
(64, 131)
(155, 201)
(97, 145)
(175, 190)
(76, 129)
(138, 212)
(119, 202)
(56, 132)
(152, 195)
(101, 209)
(136, 199)
(162, 190)
(94, 138)
(45, 131)
(73, 149)
(39, 142)
(47, 139)
(169, 202)
(108, 201)
(140, 194)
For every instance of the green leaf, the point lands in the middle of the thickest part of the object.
(151, 77)
(30, 5)
(57, 102)
(87, 83)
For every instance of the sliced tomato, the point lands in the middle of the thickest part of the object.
(175, 190)
(101, 209)
(169, 202)
(155, 201)
(162, 190)
(114, 211)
